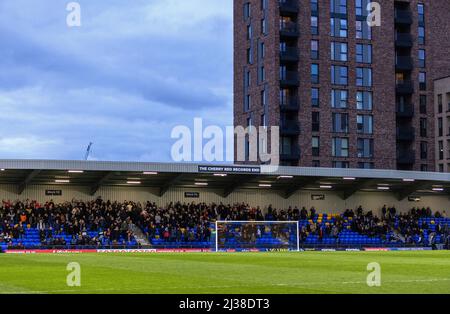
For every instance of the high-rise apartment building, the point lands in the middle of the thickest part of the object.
(442, 123)
(344, 94)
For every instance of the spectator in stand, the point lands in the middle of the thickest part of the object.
(312, 212)
(303, 213)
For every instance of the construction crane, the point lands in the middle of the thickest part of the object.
(88, 151)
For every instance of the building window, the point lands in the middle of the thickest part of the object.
(440, 127)
(262, 74)
(340, 122)
(247, 102)
(249, 31)
(285, 96)
(364, 77)
(363, 31)
(364, 124)
(399, 78)
(284, 74)
(314, 49)
(315, 97)
(423, 150)
(339, 51)
(361, 7)
(441, 150)
(263, 5)
(424, 168)
(249, 56)
(440, 107)
(339, 27)
(263, 26)
(423, 127)
(422, 81)
(338, 7)
(315, 121)
(247, 78)
(365, 148)
(247, 148)
(314, 25)
(441, 168)
(262, 50)
(423, 104)
(263, 120)
(264, 98)
(316, 163)
(364, 53)
(422, 58)
(316, 146)
(314, 73)
(286, 145)
(339, 75)
(363, 100)
(365, 165)
(339, 98)
(421, 33)
(341, 164)
(247, 10)
(314, 7)
(421, 11)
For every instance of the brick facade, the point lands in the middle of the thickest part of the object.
(385, 119)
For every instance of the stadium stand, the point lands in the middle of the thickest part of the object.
(75, 224)
(101, 223)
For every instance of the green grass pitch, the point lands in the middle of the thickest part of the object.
(295, 272)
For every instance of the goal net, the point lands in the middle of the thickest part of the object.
(261, 235)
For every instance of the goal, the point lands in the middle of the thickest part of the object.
(260, 235)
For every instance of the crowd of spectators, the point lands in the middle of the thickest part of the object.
(109, 220)
(191, 222)
(390, 226)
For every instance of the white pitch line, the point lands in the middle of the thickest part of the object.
(224, 286)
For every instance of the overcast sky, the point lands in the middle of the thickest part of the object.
(122, 80)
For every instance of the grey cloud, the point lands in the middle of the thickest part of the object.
(119, 82)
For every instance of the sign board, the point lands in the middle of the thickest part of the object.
(191, 194)
(318, 197)
(413, 199)
(230, 169)
(53, 192)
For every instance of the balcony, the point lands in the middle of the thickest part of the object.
(289, 128)
(289, 105)
(403, 17)
(289, 78)
(288, 6)
(406, 157)
(288, 29)
(403, 40)
(291, 154)
(406, 134)
(405, 110)
(289, 54)
(404, 63)
(404, 87)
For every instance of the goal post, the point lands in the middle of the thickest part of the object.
(259, 235)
